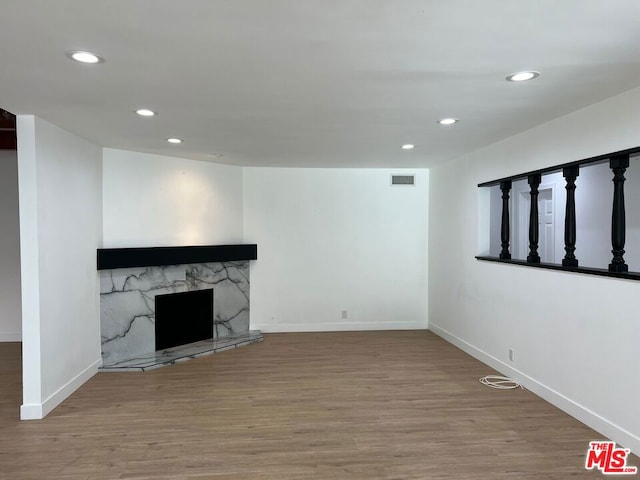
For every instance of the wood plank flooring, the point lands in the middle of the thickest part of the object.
(357, 405)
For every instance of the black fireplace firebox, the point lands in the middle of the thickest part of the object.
(184, 317)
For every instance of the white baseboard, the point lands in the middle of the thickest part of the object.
(579, 412)
(337, 327)
(41, 410)
(31, 412)
(10, 336)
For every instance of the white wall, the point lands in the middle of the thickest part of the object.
(154, 200)
(60, 192)
(574, 336)
(10, 311)
(336, 239)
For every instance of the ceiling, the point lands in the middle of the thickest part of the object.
(314, 83)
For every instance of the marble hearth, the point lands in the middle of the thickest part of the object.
(171, 356)
(128, 306)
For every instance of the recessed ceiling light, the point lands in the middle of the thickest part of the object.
(448, 121)
(145, 112)
(522, 76)
(408, 146)
(84, 57)
(174, 140)
(216, 155)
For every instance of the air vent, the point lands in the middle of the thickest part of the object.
(403, 180)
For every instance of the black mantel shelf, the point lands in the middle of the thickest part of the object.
(111, 258)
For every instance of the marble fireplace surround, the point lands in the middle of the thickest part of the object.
(131, 278)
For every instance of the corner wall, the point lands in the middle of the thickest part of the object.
(10, 309)
(60, 192)
(334, 240)
(574, 336)
(328, 239)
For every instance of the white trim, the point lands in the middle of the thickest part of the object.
(579, 412)
(337, 327)
(10, 336)
(31, 412)
(39, 411)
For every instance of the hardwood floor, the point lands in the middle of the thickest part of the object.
(357, 405)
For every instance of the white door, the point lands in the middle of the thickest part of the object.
(546, 243)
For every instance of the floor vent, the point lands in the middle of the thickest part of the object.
(403, 180)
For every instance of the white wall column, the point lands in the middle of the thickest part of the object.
(60, 192)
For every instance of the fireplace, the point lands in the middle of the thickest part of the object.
(183, 317)
(132, 278)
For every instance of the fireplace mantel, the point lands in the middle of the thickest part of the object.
(113, 258)
(132, 278)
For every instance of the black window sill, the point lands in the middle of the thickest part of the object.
(554, 266)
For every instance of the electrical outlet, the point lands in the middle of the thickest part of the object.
(345, 314)
(511, 356)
